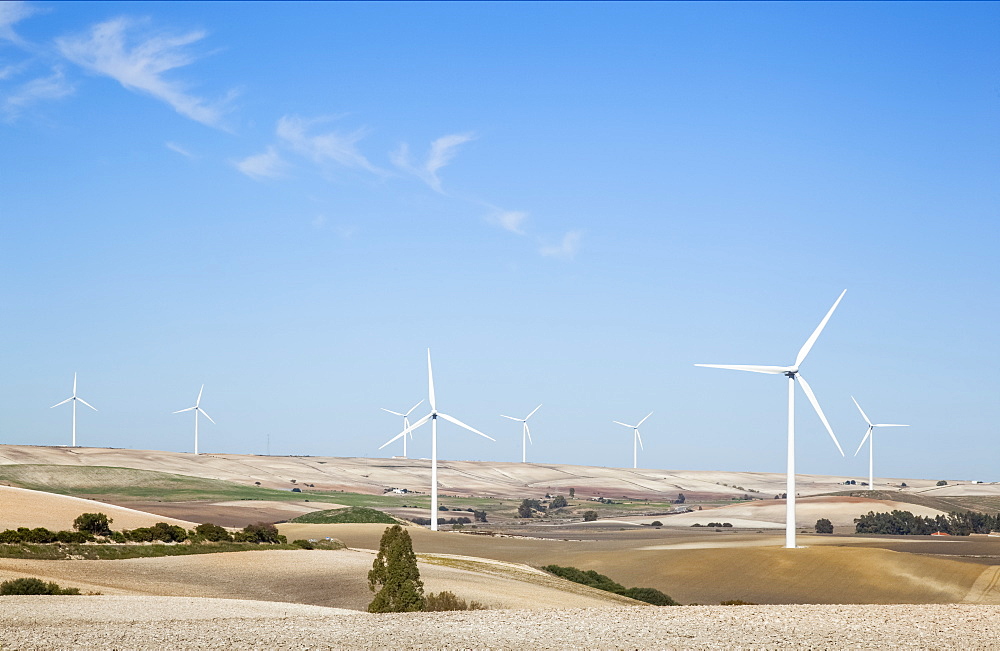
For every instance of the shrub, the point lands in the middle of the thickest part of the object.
(942, 483)
(95, 523)
(650, 596)
(261, 532)
(558, 502)
(736, 602)
(589, 516)
(656, 523)
(395, 570)
(31, 585)
(213, 532)
(445, 600)
(524, 510)
(304, 544)
(823, 526)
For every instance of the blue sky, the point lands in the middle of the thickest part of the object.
(570, 204)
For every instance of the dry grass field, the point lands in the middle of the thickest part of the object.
(26, 508)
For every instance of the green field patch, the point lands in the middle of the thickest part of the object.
(105, 482)
(350, 515)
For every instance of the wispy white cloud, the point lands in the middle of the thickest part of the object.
(173, 146)
(566, 249)
(10, 14)
(14, 69)
(510, 220)
(340, 148)
(114, 49)
(267, 165)
(52, 87)
(441, 152)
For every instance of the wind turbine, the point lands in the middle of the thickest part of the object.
(406, 422)
(433, 417)
(197, 408)
(75, 400)
(636, 439)
(871, 444)
(793, 374)
(525, 433)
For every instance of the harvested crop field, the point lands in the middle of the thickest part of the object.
(322, 578)
(36, 623)
(22, 507)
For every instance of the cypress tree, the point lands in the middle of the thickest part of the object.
(395, 570)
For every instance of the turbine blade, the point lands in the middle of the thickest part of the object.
(520, 420)
(888, 425)
(532, 412)
(205, 414)
(621, 423)
(806, 347)
(862, 444)
(408, 430)
(198, 401)
(863, 414)
(430, 381)
(528, 431)
(638, 437)
(180, 411)
(61, 403)
(753, 368)
(644, 419)
(461, 424)
(87, 403)
(413, 407)
(74, 384)
(394, 413)
(819, 411)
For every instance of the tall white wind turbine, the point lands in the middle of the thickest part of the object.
(433, 417)
(75, 399)
(793, 374)
(870, 434)
(636, 438)
(525, 432)
(406, 422)
(196, 409)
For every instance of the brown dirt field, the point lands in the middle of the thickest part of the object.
(322, 578)
(746, 569)
(27, 508)
(230, 514)
(471, 478)
(36, 623)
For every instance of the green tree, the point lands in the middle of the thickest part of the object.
(524, 510)
(942, 482)
(572, 493)
(95, 523)
(395, 570)
(558, 502)
(213, 532)
(824, 526)
(589, 516)
(680, 498)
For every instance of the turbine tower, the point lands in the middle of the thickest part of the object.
(636, 439)
(793, 374)
(525, 433)
(406, 422)
(75, 400)
(433, 417)
(197, 408)
(870, 434)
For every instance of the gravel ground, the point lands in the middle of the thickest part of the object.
(111, 622)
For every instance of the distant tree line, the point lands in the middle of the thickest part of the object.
(96, 527)
(602, 582)
(905, 523)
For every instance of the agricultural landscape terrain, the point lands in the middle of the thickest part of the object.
(701, 537)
